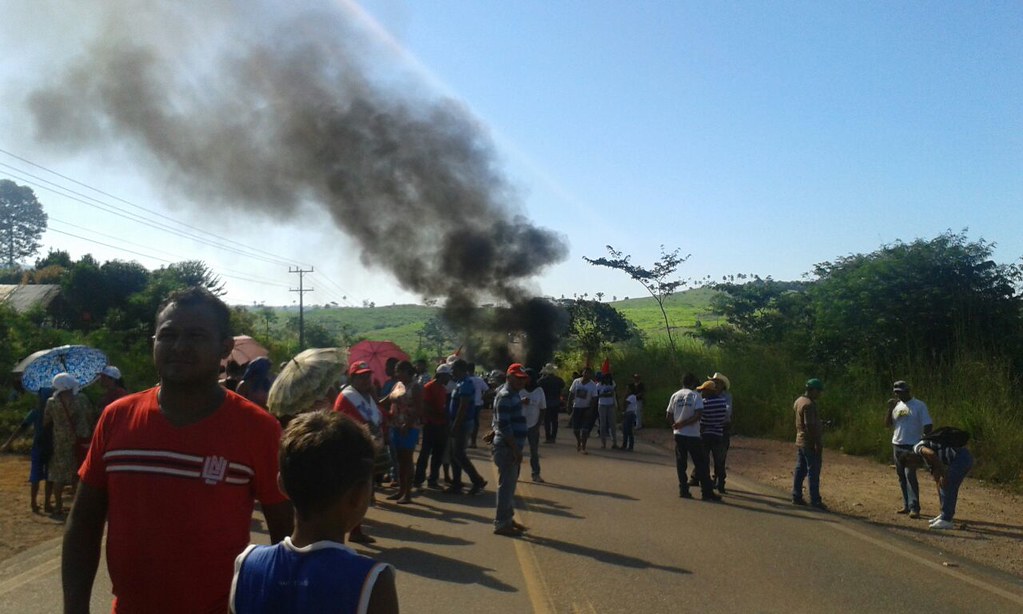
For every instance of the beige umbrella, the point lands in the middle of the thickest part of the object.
(305, 379)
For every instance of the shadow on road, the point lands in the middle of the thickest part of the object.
(583, 491)
(421, 509)
(632, 457)
(768, 504)
(992, 528)
(546, 506)
(406, 533)
(445, 569)
(611, 558)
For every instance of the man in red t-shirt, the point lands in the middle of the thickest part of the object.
(174, 471)
(435, 427)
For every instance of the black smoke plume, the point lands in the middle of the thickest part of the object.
(266, 109)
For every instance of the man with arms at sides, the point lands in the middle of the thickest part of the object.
(481, 387)
(908, 418)
(552, 386)
(638, 388)
(435, 428)
(462, 406)
(809, 445)
(534, 406)
(173, 471)
(510, 434)
(583, 397)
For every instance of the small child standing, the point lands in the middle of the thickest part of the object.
(326, 469)
(629, 421)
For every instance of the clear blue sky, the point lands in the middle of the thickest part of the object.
(761, 137)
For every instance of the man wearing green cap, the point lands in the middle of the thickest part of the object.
(809, 445)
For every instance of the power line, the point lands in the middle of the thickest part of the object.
(301, 310)
(199, 235)
(280, 259)
(258, 281)
(238, 274)
(78, 197)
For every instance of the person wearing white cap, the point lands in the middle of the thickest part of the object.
(112, 383)
(435, 428)
(67, 411)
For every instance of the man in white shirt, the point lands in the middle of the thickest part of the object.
(583, 397)
(684, 411)
(534, 404)
(909, 419)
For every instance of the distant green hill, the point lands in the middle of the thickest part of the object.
(685, 310)
(397, 323)
(401, 323)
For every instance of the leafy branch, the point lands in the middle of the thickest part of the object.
(659, 280)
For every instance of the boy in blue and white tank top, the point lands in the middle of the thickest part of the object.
(326, 469)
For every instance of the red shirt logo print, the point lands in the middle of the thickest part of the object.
(214, 469)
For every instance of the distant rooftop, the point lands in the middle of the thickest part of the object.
(24, 298)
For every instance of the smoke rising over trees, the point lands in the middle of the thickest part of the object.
(269, 109)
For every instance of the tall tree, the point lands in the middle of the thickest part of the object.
(925, 298)
(22, 222)
(659, 280)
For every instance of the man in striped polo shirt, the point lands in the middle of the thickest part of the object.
(510, 434)
(712, 429)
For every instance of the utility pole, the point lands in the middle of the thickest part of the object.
(301, 292)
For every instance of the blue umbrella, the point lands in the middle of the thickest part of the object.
(82, 362)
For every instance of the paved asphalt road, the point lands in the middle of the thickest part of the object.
(609, 534)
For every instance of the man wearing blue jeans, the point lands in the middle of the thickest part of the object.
(949, 465)
(809, 445)
(908, 418)
(510, 434)
(461, 409)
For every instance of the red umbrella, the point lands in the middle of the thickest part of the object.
(375, 354)
(246, 349)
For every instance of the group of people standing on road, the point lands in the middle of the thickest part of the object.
(700, 416)
(62, 424)
(174, 492)
(915, 444)
(593, 401)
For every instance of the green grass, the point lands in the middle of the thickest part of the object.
(401, 323)
(686, 311)
(973, 393)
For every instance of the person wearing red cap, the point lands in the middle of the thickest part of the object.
(356, 401)
(510, 434)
